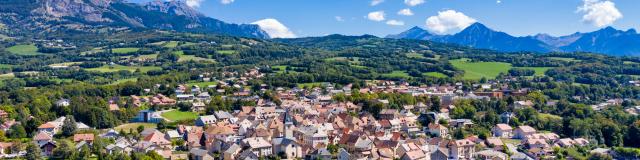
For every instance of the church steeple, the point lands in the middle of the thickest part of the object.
(288, 125)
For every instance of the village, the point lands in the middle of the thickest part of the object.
(309, 123)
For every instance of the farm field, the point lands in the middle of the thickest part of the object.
(184, 58)
(565, 59)
(125, 80)
(477, 70)
(310, 85)
(176, 115)
(539, 70)
(397, 74)
(24, 49)
(435, 74)
(124, 50)
(115, 68)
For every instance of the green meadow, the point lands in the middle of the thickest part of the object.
(29, 49)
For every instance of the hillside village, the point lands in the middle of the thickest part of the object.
(308, 123)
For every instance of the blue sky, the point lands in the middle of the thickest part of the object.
(517, 17)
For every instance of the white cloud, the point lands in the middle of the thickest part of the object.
(193, 3)
(376, 16)
(448, 21)
(227, 1)
(599, 13)
(499, 1)
(406, 12)
(339, 19)
(376, 2)
(413, 2)
(274, 28)
(395, 23)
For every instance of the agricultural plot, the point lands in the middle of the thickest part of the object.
(477, 70)
(565, 59)
(29, 49)
(435, 74)
(397, 74)
(124, 50)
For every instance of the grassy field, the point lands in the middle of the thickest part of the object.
(184, 58)
(202, 84)
(67, 64)
(477, 70)
(115, 68)
(125, 80)
(397, 74)
(177, 115)
(564, 59)
(280, 68)
(5, 66)
(630, 62)
(539, 70)
(24, 49)
(435, 74)
(124, 50)
(126, 127)
(309, 85)
(8, 75)
(171, 44)
(226, 51)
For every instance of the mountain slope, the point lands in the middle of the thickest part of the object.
(414, 33)
(479, 36)
(43, 16)
(607, 40)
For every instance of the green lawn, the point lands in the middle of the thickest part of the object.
(539, 70)
(202, 84)
(124, 50)
(115, 68)
(177, 115)
(435, 74)
(477, 70)
(630, 62)
(24, 49)
(564, 59)
(126, 127)
(397, 74)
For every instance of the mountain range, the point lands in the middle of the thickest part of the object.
(41, 16)
(608, 40)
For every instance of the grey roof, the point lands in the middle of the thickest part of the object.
(223, 115)
(233, 148)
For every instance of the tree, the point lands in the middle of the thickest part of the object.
(84, 153)
(69, 126)
(140, 128)
(33, 152)
(64, 150)
(162, 124)
(17, 131)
